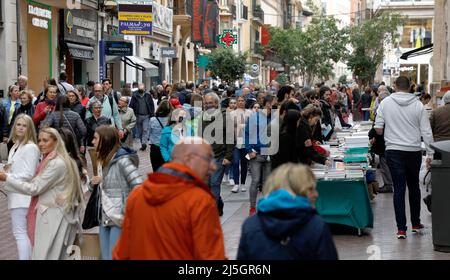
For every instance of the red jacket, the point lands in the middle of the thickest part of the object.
(171, 218)
(39, 114)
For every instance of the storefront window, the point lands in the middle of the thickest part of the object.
(424, 76)
(417, 33)
(409, 71)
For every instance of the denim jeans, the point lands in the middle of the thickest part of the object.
(215, 181)
(109, 235)
(405, 168)
(260, 168)
(239, 160)
(142, 123)
(366, 115)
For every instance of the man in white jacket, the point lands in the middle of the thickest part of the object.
(405, 121)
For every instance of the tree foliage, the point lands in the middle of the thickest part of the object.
(313, 50)
(367, 42)
(227, 65)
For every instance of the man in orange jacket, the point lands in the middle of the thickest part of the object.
(173, 215)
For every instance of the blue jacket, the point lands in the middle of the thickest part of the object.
(256, 132)
(285, 219)
(169, 138)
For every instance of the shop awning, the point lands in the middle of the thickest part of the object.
(80, 51)
(140, 63)
(418, 52)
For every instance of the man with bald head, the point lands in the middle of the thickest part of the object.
(173, 215)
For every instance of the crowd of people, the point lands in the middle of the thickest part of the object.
(198, 135)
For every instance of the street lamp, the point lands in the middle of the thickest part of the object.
(398, 53)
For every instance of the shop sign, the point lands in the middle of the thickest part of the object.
(205, 15)
(41, 16)
(406, 69)
(117, 48)
(80, 26)
(81, 52)
(135, 19)
(169, 52)
(162, 17)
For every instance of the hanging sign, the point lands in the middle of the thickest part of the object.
(227, 39)
(135, 19)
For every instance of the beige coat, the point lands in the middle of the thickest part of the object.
(128, 123)
(55, 228)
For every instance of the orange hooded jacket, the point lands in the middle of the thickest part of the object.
(171, 218)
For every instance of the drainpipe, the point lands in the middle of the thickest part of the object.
(19, 68)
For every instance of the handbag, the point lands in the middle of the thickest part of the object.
(91, 215)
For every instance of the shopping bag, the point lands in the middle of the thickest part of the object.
(3, 151)
(86, 247)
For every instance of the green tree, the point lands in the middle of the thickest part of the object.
(227, 65)
(368, 41)
(312, 51)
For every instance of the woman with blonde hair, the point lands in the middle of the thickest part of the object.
(287, 226)
(22, 161)
(118, 167)
(53, 215)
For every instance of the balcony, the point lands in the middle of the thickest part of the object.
(258, 15)
(257, 50)
(181, 15)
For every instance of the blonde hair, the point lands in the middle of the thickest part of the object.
(72, 181)
(29, 93)
(296, 178)
(30, 134)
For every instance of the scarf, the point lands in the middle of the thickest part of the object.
(32, 210)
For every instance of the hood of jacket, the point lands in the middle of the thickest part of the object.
(160, 187)
(403, 99)
(126, 152)
(281, 213)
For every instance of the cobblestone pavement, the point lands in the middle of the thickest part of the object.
(380, 242)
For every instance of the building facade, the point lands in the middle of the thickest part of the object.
(416, 32)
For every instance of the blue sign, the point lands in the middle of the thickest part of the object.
(102, 66)
(135, 28)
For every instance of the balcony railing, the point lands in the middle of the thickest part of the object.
(258, 13)
(258, 48)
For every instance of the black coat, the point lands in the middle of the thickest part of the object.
(306, 154)
(80, 109)
(91, 126)
(27, 109)
(134, 103)
(379, 147)
(287, 151)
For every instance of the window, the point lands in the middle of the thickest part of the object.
(244, 12)
(416, 33)
(233, 11)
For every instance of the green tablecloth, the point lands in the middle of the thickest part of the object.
(346, 202)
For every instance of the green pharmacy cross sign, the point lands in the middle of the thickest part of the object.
(227, 39)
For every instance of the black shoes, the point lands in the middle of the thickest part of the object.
(144, 147)
(386, 189)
